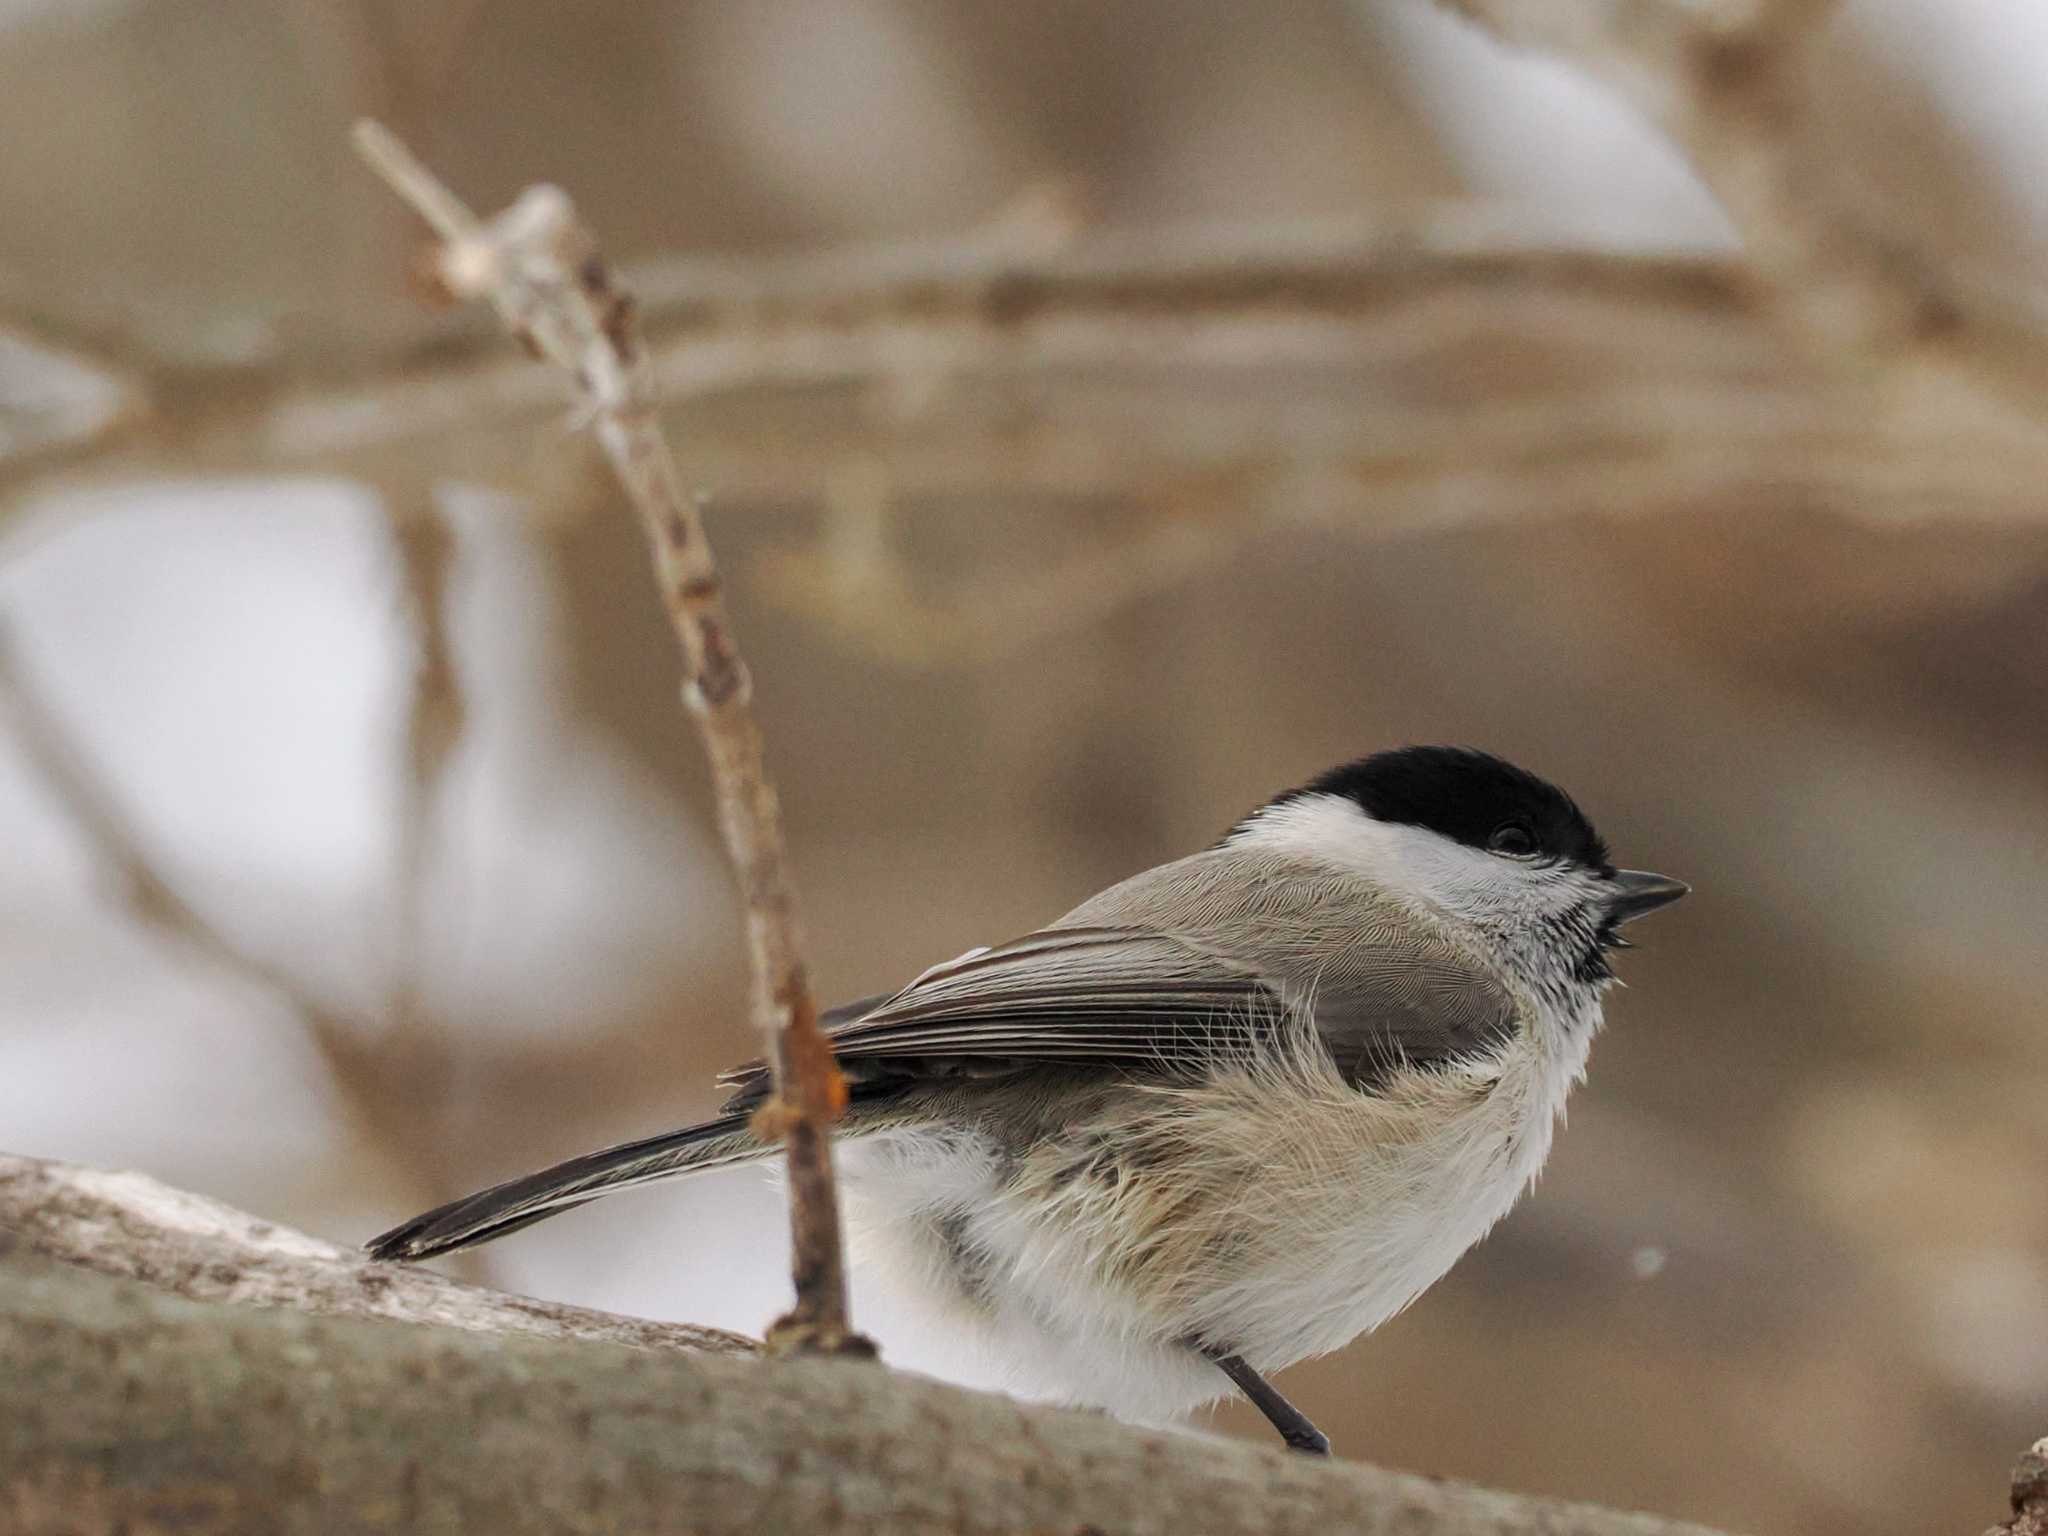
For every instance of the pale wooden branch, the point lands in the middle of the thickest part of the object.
(130, 1226)
(541, 270)
(152, 1395)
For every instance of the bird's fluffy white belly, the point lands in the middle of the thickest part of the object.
(1274, 1235)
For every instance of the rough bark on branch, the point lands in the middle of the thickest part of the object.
(132, 1227)
(126, 1408)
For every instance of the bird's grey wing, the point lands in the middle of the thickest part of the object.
(1385, 983)
(1399, 1001)
(1208, 955)
(1137, 999)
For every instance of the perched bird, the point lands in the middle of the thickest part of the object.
(1228, 1114)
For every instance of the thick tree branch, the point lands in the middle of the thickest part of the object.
(124, 1408)
(132, 1227)
(541, 270)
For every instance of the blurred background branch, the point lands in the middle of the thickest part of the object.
(935, 353)
(1734, 83)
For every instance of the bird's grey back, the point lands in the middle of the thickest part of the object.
(1386, 983)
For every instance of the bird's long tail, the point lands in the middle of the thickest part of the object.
(507, 1207)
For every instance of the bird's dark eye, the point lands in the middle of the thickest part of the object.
(1512, 838)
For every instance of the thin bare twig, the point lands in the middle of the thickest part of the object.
(541, 270)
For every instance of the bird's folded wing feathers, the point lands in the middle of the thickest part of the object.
(1159, 1003)
(1133, 997)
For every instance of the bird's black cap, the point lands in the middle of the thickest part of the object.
(1465, 795)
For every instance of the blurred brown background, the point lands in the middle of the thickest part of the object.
(1112, 414)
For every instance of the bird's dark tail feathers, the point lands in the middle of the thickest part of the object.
(507, 1207)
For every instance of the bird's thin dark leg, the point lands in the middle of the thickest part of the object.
(1292, 1423)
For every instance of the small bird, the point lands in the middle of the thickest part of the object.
(1226, 1115)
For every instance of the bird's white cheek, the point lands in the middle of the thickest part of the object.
(1423, 867)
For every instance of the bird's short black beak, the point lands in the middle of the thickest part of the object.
(1637, 891)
